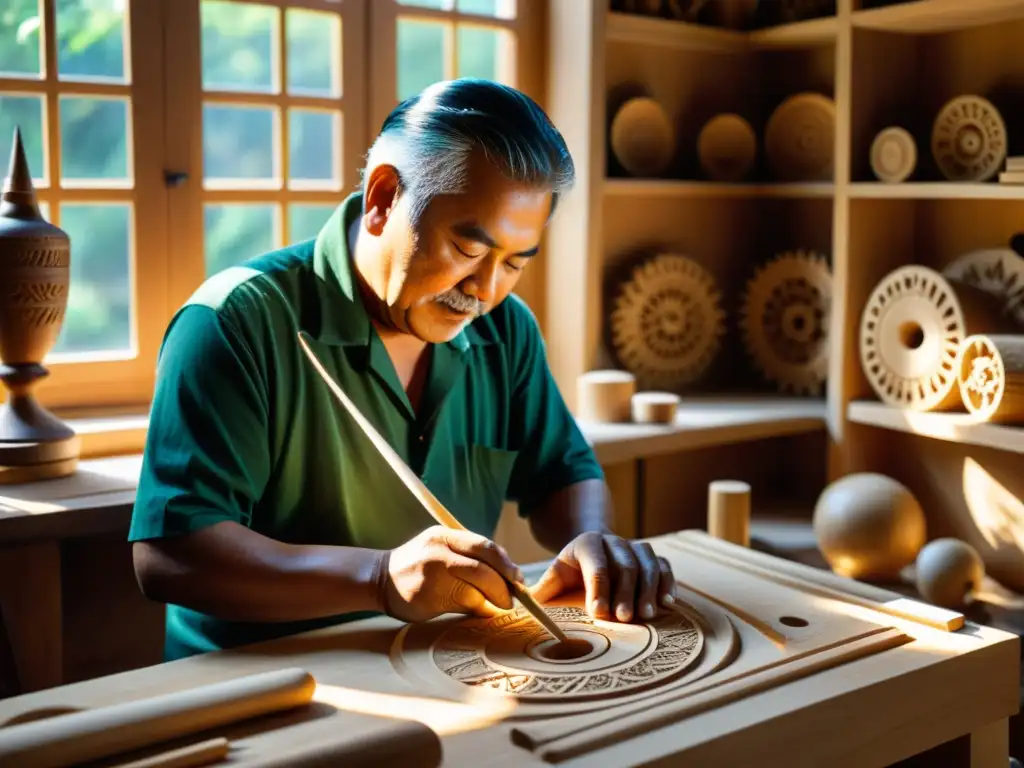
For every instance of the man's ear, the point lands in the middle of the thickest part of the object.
(380, 198)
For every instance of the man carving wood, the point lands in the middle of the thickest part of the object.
(264, 510)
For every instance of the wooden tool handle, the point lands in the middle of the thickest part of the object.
(409, 478)
(79, 737)
(193, 756)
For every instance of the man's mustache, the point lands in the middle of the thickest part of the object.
(460, 302)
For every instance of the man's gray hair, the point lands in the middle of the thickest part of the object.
(430, 137)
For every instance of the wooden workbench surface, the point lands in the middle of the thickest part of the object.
(934, 686)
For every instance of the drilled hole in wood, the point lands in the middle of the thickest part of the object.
(573, 648)
(793, 621)
(911, 335)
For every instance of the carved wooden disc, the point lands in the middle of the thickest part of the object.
(893, 155)
(998, 271)
(969, 139)
(510, 656)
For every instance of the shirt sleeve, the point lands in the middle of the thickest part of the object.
(207, 456)
(553, 453)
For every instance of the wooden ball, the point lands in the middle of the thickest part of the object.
(948, 572)
(869, 526)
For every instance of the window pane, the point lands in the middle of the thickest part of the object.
(93, 139)
(20, 52)
(240, 46)
(484, 52)
(99, 316)
(25, 112)
(421, 55)
(500, 9)
(240, 144)
(90, 39)
(441, 5)
(315, 139)
(305, 220)
(236, 232)
(314, 53)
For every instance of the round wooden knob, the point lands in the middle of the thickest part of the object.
(642, 137)
(948, 571)
(655, 407)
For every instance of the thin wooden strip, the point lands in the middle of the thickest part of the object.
(819, 582)
(619, 726)
(93, 734)
(191, 756)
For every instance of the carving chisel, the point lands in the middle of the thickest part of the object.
(434, 507)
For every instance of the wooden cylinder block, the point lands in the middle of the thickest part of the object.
(605, 395)
(729, 511)
(655, 407)
(80, 737)
(990, 373)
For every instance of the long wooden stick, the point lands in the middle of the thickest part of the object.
(201, 753)
(418, 488)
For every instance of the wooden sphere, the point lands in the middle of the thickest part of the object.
(948, 571)
(869, 526)
(727, 147)
(642, 137)
(605, 395)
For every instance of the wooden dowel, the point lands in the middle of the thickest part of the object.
(92, 734)
(193, 756)
(729, 511)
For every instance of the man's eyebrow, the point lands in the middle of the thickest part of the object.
(478, 234)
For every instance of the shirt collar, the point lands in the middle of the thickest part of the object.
(344, 320)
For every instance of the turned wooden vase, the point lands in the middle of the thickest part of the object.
(35, 259)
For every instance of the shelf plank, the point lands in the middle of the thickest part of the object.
(933, 16)
(809, 33)
(960, 428)
(707, 421)
(666, 33)
(937, 190)
(696, 188)
(681, 35)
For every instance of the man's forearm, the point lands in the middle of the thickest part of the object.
(578, 508)
(234, 573)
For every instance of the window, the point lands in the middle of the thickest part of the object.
(88, 107)
(173, 138)
(266, 123)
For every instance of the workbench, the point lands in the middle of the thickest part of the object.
(769, 663)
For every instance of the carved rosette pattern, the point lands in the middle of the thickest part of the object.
(676, 641)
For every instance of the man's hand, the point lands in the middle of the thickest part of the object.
(446, 571)
(623, 580)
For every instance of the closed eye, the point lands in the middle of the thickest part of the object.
(466, 253)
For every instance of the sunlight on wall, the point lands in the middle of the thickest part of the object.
(997, 513)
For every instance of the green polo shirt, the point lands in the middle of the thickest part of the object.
(243, 429)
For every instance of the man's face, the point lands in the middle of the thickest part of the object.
(465, 256)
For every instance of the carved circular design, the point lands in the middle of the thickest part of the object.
(785, 321)
(969, 139)
(981, 376)
(727, 147)
(642, 137)
(910, 332)
(997, 271)
(511, 658)
(667, 322)
(624, 657)
(800, 138)
(893, 155)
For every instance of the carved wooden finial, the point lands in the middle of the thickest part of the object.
(18, 198)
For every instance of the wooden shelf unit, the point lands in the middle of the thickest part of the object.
(894, 65)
